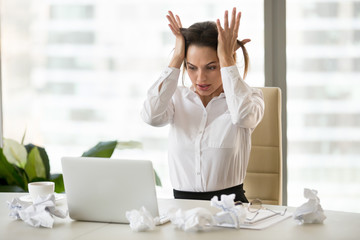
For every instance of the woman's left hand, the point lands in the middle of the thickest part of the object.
(227, 39)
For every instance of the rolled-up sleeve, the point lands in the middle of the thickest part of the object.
(246, 104)
(158, 109)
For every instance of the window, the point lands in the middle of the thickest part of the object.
(320, 9)
(68, 63)
(71, 38)
(77, 72)
(322, 102)
(356, 9)
(68, 12)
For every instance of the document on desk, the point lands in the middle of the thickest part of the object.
(261, 220)
(264, 219)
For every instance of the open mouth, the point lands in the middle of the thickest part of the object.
(203, 87)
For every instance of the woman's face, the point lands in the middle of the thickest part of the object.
(203, 68)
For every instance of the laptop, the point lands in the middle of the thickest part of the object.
(103, 189)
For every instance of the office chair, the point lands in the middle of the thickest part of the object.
(264, 173)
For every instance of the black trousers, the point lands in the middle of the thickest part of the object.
(238, 190)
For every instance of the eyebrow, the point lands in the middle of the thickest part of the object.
(205, 65)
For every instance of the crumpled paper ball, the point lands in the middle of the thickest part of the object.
(231, 215)
(140, 220)
(193, 220)
(311, 211)
(37, 214)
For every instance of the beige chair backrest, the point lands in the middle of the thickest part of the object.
(264, 173)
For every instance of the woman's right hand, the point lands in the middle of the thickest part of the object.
(179, 52)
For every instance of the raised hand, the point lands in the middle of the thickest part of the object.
(179, 51)
(227, 39)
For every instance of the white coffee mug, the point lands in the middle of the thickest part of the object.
(41, 189)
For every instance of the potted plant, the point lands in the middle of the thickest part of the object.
(21, 164)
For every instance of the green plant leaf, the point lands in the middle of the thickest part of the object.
(11, 173)
(44, 157)
(157, 179)
(24, 177)
(11, 188)
(34, 167)
(102, 149)
(2, 180)
(39, 179)
(59, 182)
(23, 137)
(14, 152)
(128, 145)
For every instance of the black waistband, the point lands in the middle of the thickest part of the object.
(238, 190)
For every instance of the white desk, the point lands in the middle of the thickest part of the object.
(338, 225)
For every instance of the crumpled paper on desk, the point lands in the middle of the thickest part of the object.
(231, 215)
(37, 214)
(140, 220)
(193, 220)
(199, 219)
(311, 211)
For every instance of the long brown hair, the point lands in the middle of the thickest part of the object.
(205, 34)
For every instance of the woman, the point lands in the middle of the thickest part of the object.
(212, 121)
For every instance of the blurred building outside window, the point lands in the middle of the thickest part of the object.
(323, 90)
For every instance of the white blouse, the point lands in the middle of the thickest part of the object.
(209, 146)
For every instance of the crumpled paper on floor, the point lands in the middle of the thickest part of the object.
(231, 215)
(311, 211)
(37, 214)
